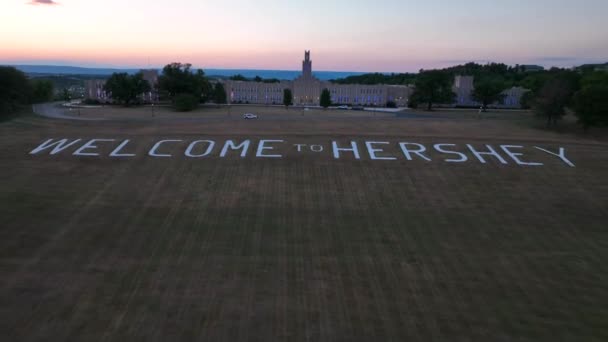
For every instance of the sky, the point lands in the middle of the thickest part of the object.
(344, 35)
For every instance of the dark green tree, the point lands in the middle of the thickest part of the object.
(238, 77)
(434, 86)
(594, 78)
(42, 91)
(488, 90)
(257, 79)
(377, 78)
(185, 102)
(219, 94)
(287, 98)
(325, 98)
(125, 88)
(65, 94)
(552, 99)
(178, 78)
(591, 105)
(527, 100)
(15, 90)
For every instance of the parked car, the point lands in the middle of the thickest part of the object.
(248, 116)
(343, 107)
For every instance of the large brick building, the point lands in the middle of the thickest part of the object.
(306, 90)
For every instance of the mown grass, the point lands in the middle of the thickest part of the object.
(300, 248)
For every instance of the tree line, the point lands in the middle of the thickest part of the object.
(17, 91)
(550, 93)
(258, 79)
(178, 83)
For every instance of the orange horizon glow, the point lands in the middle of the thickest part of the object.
(383, 36)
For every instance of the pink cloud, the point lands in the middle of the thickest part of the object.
(43, 2)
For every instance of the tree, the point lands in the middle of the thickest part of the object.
(185, 102)
(15, 90)
(65, 94)
(257, 79)
(377, 78)
(325, 98)
(42, 91)
(433, 86)
(554, 96)
(126, 88)
(238, 77)
(178, 78)
(527, 100)
(591, 105)
(287, 98)
(595, 78)
(219, 94)
(488, 90)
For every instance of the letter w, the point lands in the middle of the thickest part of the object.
(57, 146)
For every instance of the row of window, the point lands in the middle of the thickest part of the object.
(356, 99)
(255, 98)
(332, 91)
(362, 91)
(255, 90)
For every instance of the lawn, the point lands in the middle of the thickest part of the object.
(304, 247)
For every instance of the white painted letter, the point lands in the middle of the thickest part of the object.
(372, 151)
(262, 147)
(421, 149)
(316, 148)
(492, 152)
(463, 157)
(299, 146)
(194, 143)
(230, 144)
(58, 146)
(514, 155)
(153, 153)
(116, 152)
(89, 145)
(337, 150)
(561, 155)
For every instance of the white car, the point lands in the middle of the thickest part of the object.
(343, 107)
(248, 116)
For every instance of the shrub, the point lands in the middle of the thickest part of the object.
(185, 102)
(391, 104)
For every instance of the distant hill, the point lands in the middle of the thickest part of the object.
(217, 73)
(69, 70)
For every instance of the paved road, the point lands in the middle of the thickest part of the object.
(55, 110)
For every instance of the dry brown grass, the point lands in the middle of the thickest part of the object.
(210, 111)
(304, 247)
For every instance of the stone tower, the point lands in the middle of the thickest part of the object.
(307, 66)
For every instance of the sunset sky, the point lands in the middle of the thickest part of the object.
(344, 35)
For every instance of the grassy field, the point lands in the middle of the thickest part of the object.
(210, 111)
(302, 248)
